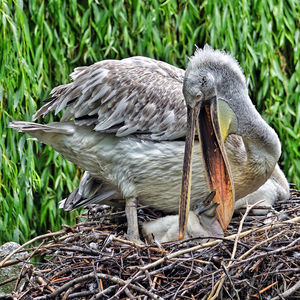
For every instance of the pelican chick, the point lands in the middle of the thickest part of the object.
(202, 222)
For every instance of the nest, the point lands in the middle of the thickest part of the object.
(257, 259)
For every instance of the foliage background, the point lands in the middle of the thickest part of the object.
(42, 41)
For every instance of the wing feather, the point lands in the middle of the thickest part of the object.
(136, 95)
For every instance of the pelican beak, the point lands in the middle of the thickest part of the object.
(213, 130)
(184, 204)
(211, 133)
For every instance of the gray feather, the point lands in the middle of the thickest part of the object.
(91, 190)
(136, 95)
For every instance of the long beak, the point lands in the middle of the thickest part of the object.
(215, 161)
(184, 204)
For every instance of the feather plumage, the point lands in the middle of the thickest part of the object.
(135, 95)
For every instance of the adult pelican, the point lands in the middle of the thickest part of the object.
(125, 124)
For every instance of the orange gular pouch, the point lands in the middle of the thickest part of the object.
(215, 161)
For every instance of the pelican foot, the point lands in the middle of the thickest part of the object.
(135, 240)
(132, 221)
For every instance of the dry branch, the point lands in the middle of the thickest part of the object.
(93, 260)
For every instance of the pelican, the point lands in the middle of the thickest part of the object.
(125, 124)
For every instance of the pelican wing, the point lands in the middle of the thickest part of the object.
(91, 190)
(137, 95)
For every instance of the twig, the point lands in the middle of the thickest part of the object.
(186, 278)
(27, 261)
(147, 275)
(128, 294)
(265, 289)
(213, 243)
(213, 295)
(9, 280)
(290, 270)
(103, 276)
(30, 242)
(83, 294)
(261, 243)
(128, 282)
(126, 242)
(267, 253)
(135, 287)
(44, 283)
(97, 279)
(17, 276)
(231, 282)
(68, 285)
(178, 253)
(104, 292)
(288, 292)
(69, 291)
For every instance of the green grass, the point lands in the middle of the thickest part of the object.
(42, 41)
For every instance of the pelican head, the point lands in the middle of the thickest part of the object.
(198, 86)
(217, 102)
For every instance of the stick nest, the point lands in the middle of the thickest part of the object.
(257, 259)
